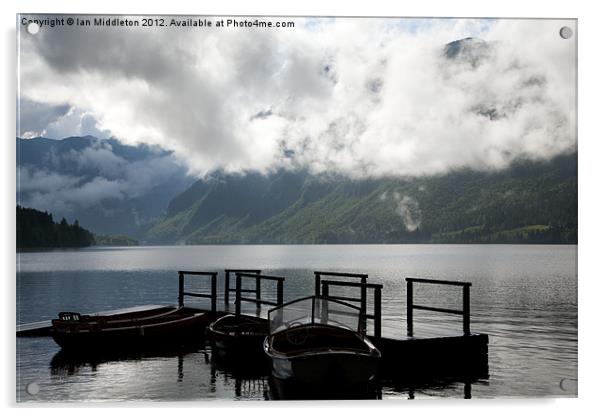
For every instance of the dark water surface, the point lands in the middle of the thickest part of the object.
(524, 297)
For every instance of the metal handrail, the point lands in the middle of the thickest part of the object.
(362, 276)
(212, 295)
(465, 312)
(377, 314)
(257, 301)
(318, 277)
(227, 289)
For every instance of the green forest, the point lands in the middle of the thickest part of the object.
(530, 202)
(115, 240)
(37, 229)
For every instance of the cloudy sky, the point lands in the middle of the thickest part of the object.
(360, 97)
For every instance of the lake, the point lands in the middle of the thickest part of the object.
(523, 296)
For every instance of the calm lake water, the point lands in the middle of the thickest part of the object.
(524, 297)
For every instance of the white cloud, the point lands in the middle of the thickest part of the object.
(352, 96)
(57, 121)
(84, 178)
(409, 211)
(406, 206)
(45, 190)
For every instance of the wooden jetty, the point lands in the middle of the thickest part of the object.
(431, 349)
(424, 351)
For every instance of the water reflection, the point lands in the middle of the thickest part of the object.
(524, 297)
(250, 375)
(69, 363)
(462, 388)
(237, 377)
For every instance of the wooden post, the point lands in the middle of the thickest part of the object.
(466, 309)
(323, 305)
(237, 299)
(258, 292)
(325, 292)
(363, 307)
(410, 308)
(227, 288)
(317, 279)
(214, 292)
(180, 289)
(280, 292)
(377, 313)
(467, 389)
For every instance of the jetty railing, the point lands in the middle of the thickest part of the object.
(212, 295)
(318, 277)
(227, 288)
(465, 312)
(258, 301)
(376, 316)
(363, 277)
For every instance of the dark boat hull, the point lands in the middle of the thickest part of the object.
(328, 369)
(234, 336)
(143, 332)
(322, 358)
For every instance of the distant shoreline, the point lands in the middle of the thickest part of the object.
(50, 249)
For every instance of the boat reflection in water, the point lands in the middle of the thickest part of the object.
(317, 349)
(250, 377)
(238, 337)
(69, 362)
(199, 364)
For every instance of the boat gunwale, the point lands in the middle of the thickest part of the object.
(212, 327)
(170, 319)
(370, 351)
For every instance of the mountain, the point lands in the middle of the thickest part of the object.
(527, 203)
(111, 188)
(468, 50)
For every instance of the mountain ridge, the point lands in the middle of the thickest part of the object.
(528, 202)
(110, 187)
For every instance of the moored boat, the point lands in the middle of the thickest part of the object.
(167, 326)
(238, 335)
(317, 342)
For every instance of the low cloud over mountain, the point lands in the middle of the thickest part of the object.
(109, 187)
(358, 97)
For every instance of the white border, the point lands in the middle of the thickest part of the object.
(590, 202)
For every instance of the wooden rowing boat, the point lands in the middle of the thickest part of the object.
(238, 335)
(166, 326)
(316, 343)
